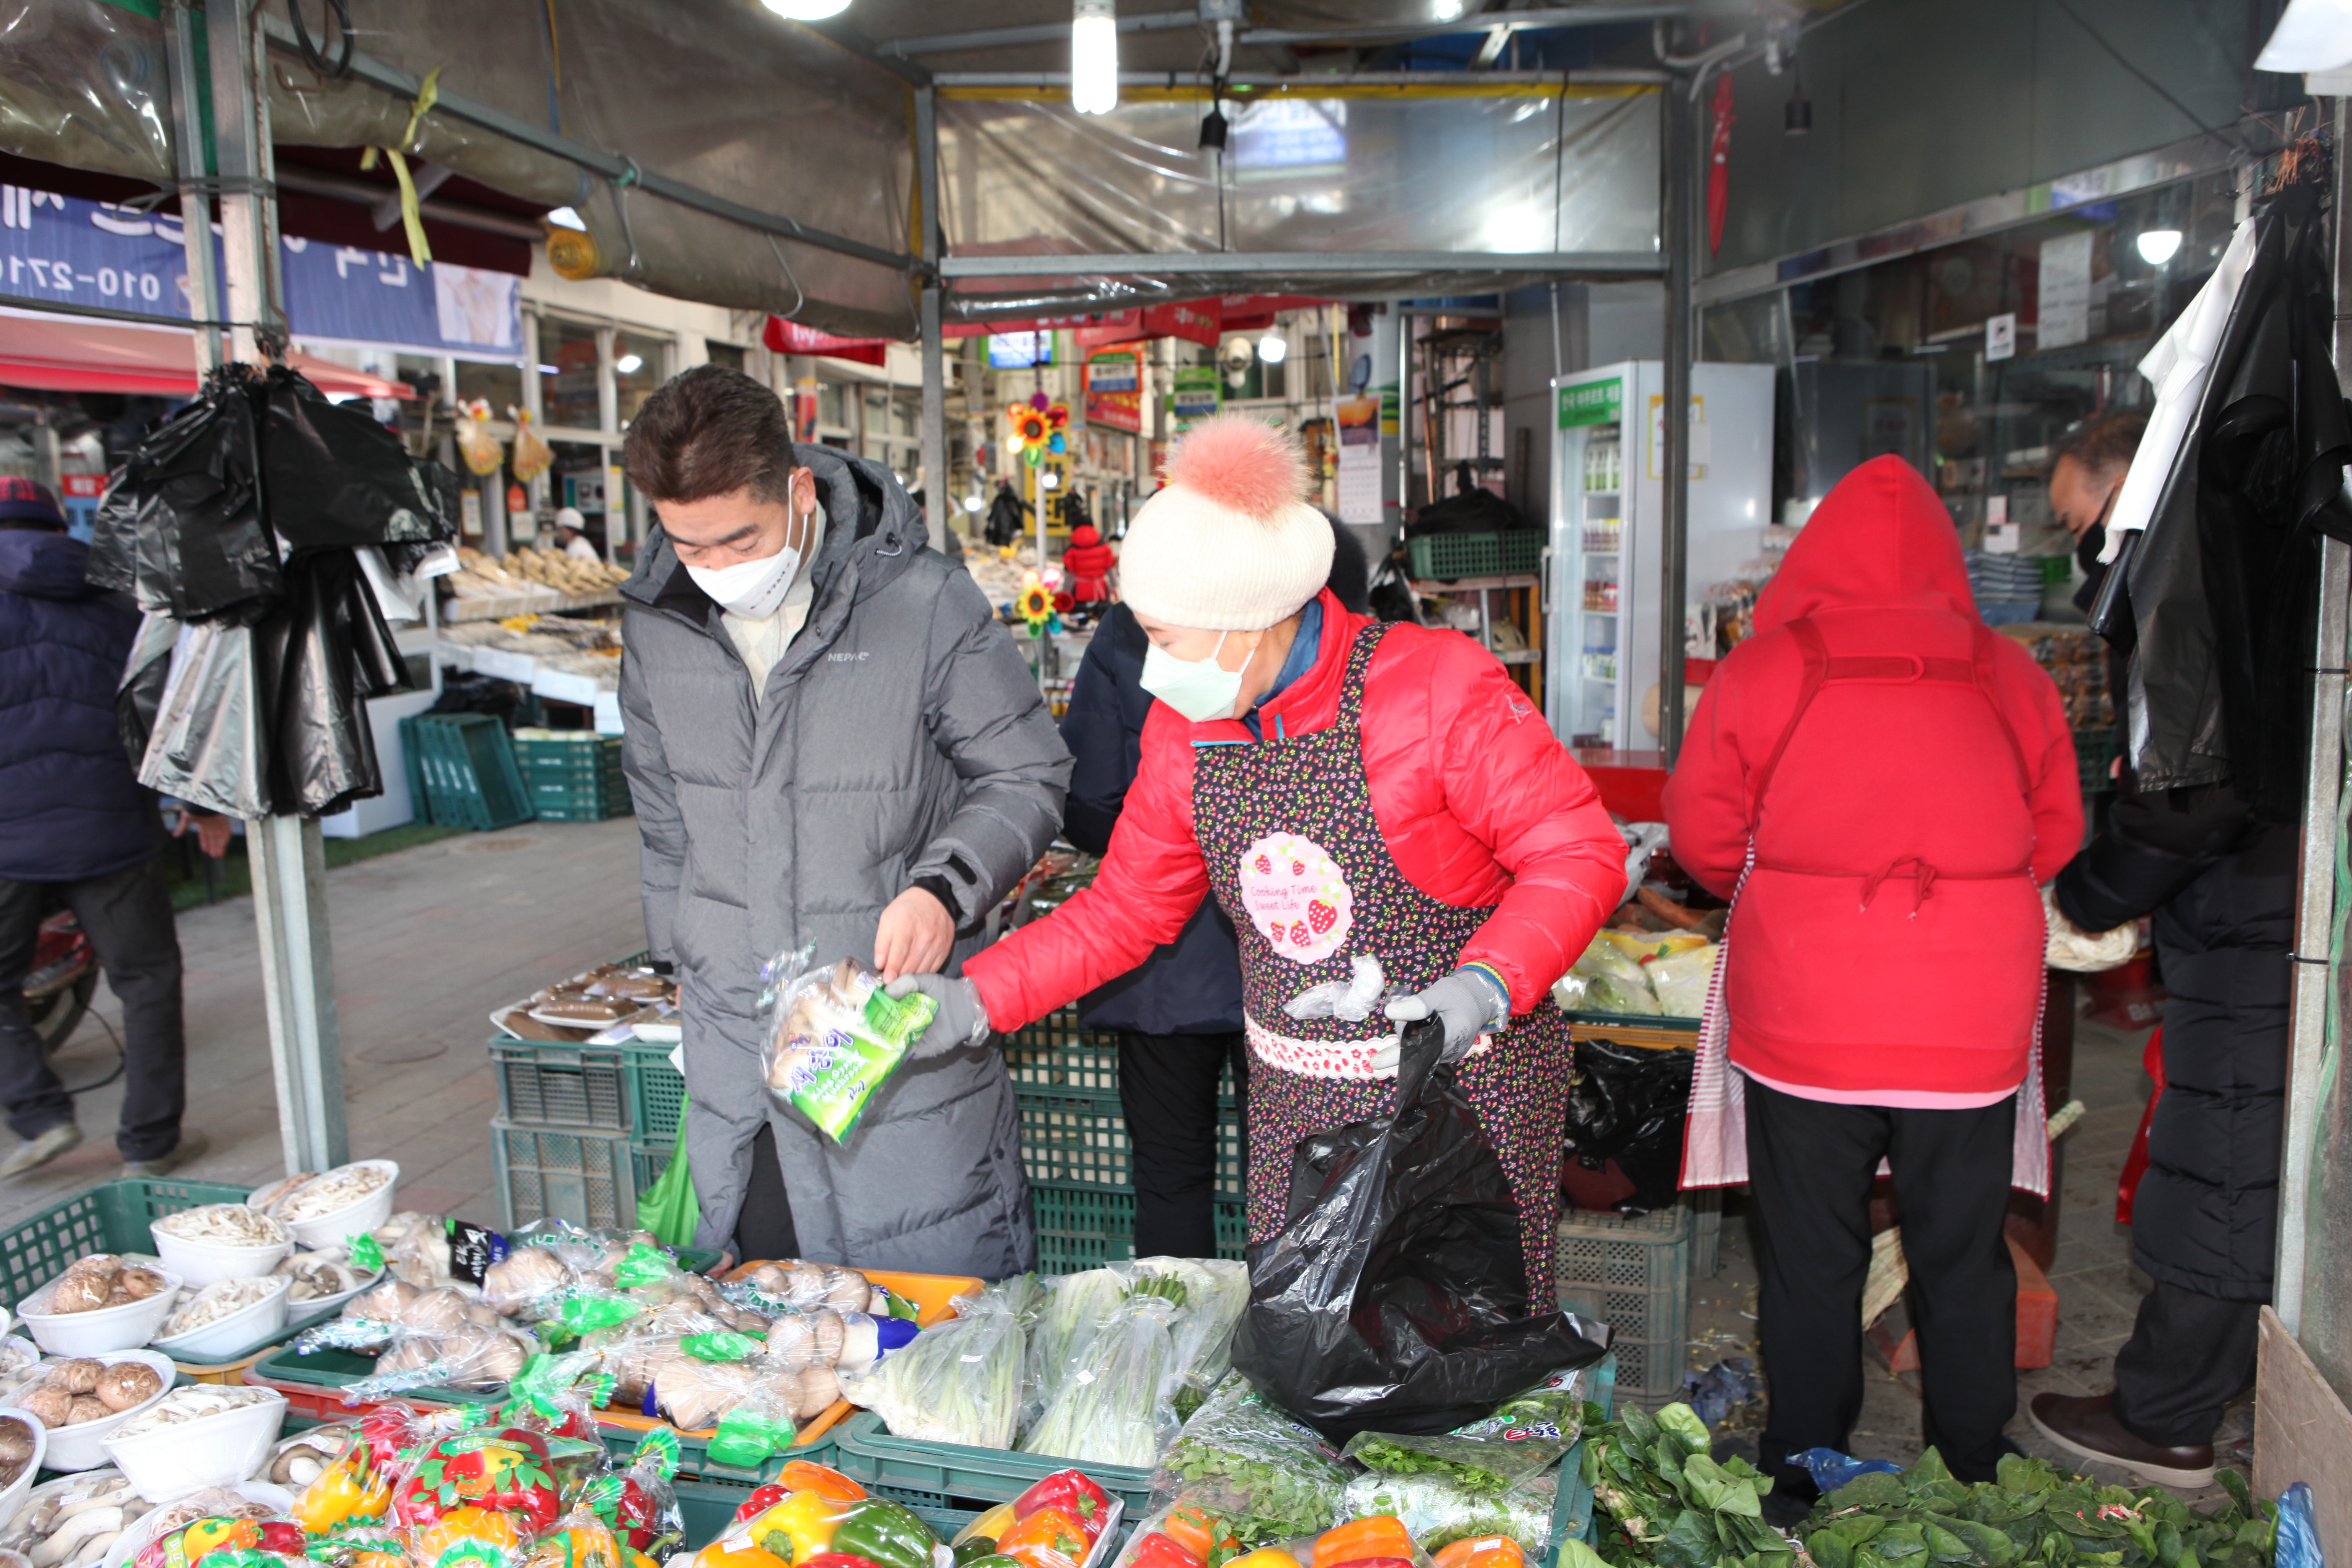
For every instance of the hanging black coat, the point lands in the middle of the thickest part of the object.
(2220, 884)
(2218, 597)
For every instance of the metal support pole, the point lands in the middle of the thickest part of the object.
(290, 886)
(2295, 1292)
(188, 90)
(935, 370)
(1676, 104)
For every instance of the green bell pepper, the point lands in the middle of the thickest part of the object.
(970, 1552)
(887, 1533)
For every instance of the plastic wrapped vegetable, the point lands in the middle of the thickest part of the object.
(959, 1382)
(1111, 1410)
(1681, 980)
(1216, 1293)
(1245, 1462)
(1438, 1510)
(1607, 979)
(1072, 1315)
(1524, 1435)
(833, 1035)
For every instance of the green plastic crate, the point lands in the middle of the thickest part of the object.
(1571, 1509)
(1084, 1225)
(581, 750)
(542, 1083)
(648, 1161)
(1447, 557)
(113, 1217)
(2094, 751)
(656, 1090)
(1073, 1127)
(867, 1452)
(1634, 1274)
(468, 768)
(602, 810)
(571, 1174)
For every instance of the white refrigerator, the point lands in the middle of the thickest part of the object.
(1607, 492)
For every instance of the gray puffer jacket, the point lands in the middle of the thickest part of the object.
(901, 736)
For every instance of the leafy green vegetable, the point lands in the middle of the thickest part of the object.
(1675, 1506)
(1525, 1436)
(1254, 1467)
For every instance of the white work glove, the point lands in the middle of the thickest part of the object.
(1468, 1002)
(961, 1020)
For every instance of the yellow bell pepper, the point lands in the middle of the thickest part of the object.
(798, 1528)
(993, 1525)
(345, 1490)
(1264, 1557)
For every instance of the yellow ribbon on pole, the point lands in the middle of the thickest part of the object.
(410, 218)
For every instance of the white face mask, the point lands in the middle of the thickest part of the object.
(1199, 689)
(751, 588)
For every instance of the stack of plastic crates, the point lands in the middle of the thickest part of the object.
(462, 773)
(1634, 1274)
(1074, 1146)
(573, 775)
(582, 1130)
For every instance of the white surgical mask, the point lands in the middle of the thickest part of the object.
(1200, 689)
(751, 588)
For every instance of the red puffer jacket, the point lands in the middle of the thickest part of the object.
(1478, 801)
(1890, 937)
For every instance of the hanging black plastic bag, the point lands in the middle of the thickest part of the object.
(183, 526)
(1395, 1298)
(207, 745)
(1629, 1105)
(337, 478)
(321, 654)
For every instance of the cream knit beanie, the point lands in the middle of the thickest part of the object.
(1231, 544)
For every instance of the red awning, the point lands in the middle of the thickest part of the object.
(65, 353)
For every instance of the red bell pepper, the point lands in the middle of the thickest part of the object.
(1157, 1550)
(840, 1560)
(762, 1500)
(1074, 1493)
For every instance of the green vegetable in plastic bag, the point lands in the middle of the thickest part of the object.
(1267, 1476)
(1609, 981)
(1525, 1436)
(1437, 1511)
(833, 1035)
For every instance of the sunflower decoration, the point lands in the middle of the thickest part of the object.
(1038, 429)
(1036, 604)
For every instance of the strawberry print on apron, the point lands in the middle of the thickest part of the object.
(1297, 860)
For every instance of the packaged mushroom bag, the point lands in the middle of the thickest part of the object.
(833, 1035)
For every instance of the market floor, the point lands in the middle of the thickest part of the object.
(426, 941)
(2098, 1287)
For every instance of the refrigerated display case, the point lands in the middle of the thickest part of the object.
(1604, 562)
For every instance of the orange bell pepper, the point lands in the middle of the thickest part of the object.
(719, 1555)
(1381, 1535)
(1048, 1538)
(808, 1476)
(1482, 1552)
(1202, 1534)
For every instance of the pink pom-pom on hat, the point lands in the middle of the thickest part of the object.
(1231, 543)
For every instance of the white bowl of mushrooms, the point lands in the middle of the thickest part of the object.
(99, 1303)
(221, 1241)
(82, 1401)
(327, 1210)
(205, 1435)
(222, 1319)
(23, 1441)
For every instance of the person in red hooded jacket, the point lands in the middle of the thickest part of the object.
(1881, 782)
(1345, 789)
(1088, 562)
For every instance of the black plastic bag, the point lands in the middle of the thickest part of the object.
(1630, 1104)
(321, 655)
(1395, 1296)
(183, 525)
(337, 478)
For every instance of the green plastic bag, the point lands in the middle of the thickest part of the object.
(668, 1208)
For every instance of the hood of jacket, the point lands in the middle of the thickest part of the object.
(870, 522)
(44, 565)
(1880, 539)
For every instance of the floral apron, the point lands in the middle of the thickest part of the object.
(1715, 1135)
(1296, 858)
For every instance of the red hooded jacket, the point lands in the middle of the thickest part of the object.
(1890, 936)
(1476, 797)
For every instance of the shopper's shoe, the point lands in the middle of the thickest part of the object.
(191, 1146)
(2088, 1427)
(34, 1152)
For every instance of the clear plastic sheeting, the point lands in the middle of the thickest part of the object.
(1523, 169)
(83, 83)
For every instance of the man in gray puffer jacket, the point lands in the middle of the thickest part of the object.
(831, 741)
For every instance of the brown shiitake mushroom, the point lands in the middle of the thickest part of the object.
(99, 1263)
(79, 1294)
(141, 1282)
(16, 1441)
(78, 1375)
(127, 1382)
(87, 1407)
(50, 1406)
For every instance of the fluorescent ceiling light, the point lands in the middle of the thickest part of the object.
(2158, 245)
(807, 10)
(1094, 56)
(628, 364)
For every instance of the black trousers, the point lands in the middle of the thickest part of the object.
(1168, 1091)
(2189, 1356)
(126, 916)
(1810, 1166)
(764, 1229)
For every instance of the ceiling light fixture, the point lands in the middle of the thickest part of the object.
(1094, 56)
(807, 10)
(1273, 347)
(629, 364)
(2158, 245)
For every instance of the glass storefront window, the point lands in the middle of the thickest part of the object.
(567, 372)
(499, 385)
(640, 364)
(832, 404)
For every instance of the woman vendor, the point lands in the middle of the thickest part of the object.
(1346, 788)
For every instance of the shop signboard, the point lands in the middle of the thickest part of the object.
(791, 338)
(1114, 389)
(62, 250)
(1195, 393)
(1194, 320)
(1115, 327)
(1592, 403)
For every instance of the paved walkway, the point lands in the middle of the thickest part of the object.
(427, 942)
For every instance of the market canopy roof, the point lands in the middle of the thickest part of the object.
(58, 354)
